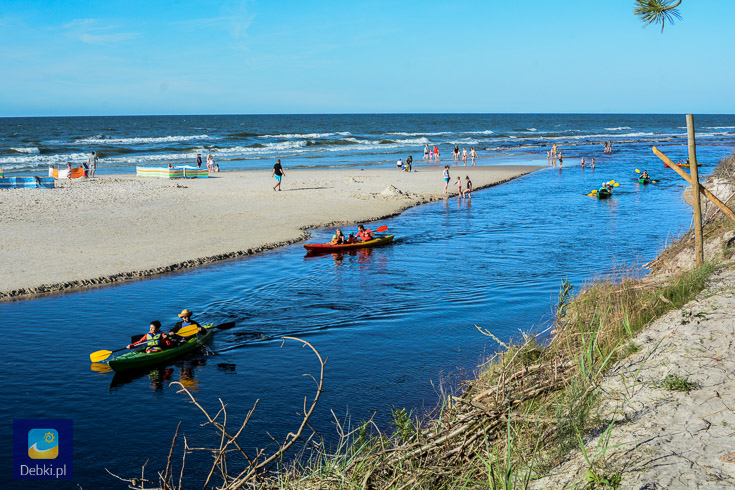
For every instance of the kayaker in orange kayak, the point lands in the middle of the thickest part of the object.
(363, 234)
(155, 339)
(338, 238)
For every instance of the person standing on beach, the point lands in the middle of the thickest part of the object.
(210, 163)
(464, 155)
(468, 191)
(459, 187)
(92, 164)
(426, 152)
(409, 163)
(278, 173)
(199, 160)
(446, 178)
(456, 153)
(473, 154)
(436, 153)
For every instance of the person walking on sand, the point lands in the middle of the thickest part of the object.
(426, 152)
(464, 156)
(278, 173)
(199, 160)
(473, 154)
(92, 164)
(446, 178)
(468, 191)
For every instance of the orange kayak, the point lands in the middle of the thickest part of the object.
(329, 247)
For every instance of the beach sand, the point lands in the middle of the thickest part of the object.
(105, 230)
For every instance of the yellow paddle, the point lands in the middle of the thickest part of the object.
(637, 171)
(593, 192)
(101, 355)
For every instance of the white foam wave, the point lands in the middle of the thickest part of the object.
(465, 141)
(40, 160)
(32, 150)
(127, 141)
(415, 141)
(400, 133)
(306, 135)
(533, 130)
(719, 127)
(621, 128)
(487, 131)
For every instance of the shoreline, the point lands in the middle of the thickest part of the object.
(113, 229)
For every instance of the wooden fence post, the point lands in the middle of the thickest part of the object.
(696, 203)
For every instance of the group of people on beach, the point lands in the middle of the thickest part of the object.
(591, 164)
(362, 235)
(211, 165)
(472, 154)
(431, 153)
(467, 192)
(554, 155)
(405, 166)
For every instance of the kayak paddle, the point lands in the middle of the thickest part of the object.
(101, 355)
(637, 171)
(381, 229)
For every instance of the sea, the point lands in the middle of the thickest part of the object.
(397, 326)
(28, 146)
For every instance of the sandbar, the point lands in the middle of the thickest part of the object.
(92, 232)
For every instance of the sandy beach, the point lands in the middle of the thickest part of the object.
(99, 231)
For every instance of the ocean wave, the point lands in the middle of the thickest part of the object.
(30, 150)
(719, 127)
(35, 160)
(306, 135)
(621, 128)
(487, 131)
(400, 133)
(533, 130)
(101, 140)
(464, 141)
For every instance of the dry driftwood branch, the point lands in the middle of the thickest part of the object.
(170, 453)
(250, 472)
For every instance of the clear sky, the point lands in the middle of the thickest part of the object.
(260, 57)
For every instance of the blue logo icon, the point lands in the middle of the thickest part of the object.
(43, 444)
(43, 449)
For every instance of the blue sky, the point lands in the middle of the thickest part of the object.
(255, 57)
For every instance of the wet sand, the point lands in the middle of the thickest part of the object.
(105, 230)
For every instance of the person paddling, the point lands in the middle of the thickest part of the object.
(186, 320)
(363, 234)
(155, 339)
(645, 175)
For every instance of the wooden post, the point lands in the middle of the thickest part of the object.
(702, 188)
(696, 204)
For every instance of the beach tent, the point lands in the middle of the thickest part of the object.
(18, 182)
(184, 172)
(63, 173)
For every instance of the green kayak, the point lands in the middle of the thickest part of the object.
(643, 180)
(603, 193)
(139, 358)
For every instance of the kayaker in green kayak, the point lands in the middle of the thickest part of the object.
(186, 320)
(156, 340)
(645, 175)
